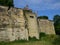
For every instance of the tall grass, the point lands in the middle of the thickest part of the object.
(44, 40)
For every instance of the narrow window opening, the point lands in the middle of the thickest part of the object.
(31, 16)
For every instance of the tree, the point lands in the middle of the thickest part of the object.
(6, 3)
(56, 20)
(57, 41)
(43, 17)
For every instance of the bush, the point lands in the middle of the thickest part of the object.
(56, 41)
(42, 35)
(19, 41)
(33, 39)
(2, 43)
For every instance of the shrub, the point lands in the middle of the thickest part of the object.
(33, 39)
(42, 35)
(19, 41)
(56, 41)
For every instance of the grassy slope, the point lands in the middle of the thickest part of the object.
(47, 40)
(30, 43)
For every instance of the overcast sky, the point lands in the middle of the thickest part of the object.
(42, 7)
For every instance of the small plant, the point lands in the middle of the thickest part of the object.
(19, 41)
(33, 39)
(42, 35)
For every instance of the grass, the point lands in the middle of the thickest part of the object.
(44, 40)
(29, 43)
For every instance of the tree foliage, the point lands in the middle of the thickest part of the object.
(6, 2)
(57, 23)
(43, 17)
(56, 41)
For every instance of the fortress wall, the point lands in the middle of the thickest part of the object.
(46, 26)
(3, 36)
(20, 24)
(14, 19)
(32, 24)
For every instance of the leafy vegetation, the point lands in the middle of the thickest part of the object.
(6, 2)
(57, 41)
(56, 20)
(46, 40)
(43, 17)
(33, 39)
(42, 35)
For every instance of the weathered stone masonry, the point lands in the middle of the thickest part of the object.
(20, 24)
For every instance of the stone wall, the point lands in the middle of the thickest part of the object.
(20, 24)
(46, 26)
(14, 22)
(32, 24)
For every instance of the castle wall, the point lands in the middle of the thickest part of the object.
(20, 24)
(14, 22)
(3, 36)
(32, 24)
(46, 26)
